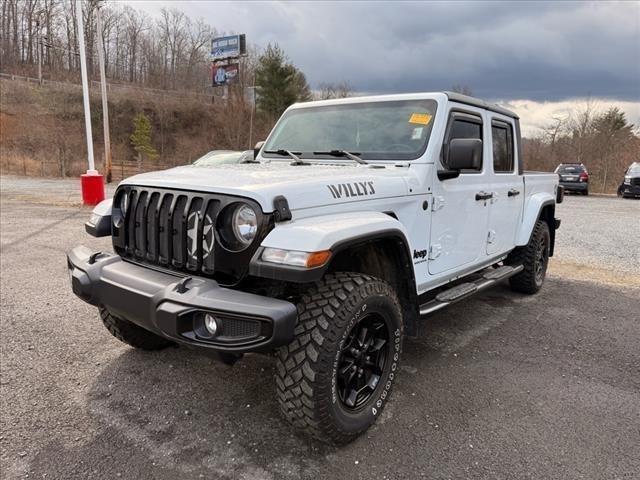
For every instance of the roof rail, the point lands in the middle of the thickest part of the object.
(476, 102)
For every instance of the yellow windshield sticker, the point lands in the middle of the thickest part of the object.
(420, 118)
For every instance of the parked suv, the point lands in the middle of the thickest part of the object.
(359, 217)
(573, 177)
(631, 184)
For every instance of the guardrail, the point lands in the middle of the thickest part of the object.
(111, 87)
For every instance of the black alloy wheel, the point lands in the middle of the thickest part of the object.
(336, 376)
(541, 260)
(362, 361)
(534, 258)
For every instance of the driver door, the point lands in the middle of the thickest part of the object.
(459, 217)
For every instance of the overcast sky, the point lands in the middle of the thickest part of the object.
(530, 54)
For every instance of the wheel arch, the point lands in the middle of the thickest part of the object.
(372, 243)
(540, 207)
(387, 257)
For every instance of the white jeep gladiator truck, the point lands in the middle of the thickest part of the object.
(357, 218)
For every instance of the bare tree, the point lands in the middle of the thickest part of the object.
(136, 25)
(334, 90)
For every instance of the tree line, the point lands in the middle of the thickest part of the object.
(603, 140)
(170, 51)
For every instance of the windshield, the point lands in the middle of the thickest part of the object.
(218, 157)
(397, 130)
(634, 170)
(571, 169)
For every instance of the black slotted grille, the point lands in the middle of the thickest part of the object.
(177, 230)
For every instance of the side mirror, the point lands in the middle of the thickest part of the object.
(464, 154)
(256, 149)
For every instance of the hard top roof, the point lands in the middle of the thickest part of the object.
(452, 96)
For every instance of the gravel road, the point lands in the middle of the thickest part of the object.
(601, 232)
(501, 386)
(50, 191)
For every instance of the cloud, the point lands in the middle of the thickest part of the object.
(534, 116)
(540, 56)
(537, 50)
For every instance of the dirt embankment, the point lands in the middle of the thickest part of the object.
(42, 128)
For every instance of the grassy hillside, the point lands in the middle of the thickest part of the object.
(42, 128)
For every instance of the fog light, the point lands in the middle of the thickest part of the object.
(211, 324)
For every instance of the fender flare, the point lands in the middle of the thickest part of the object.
(326, 232)
(531, 214)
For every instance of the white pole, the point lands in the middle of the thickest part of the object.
(85, 88)
(105, 106)
(253, 108)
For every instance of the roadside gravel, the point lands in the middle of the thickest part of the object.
(600, 232)
(500, 386)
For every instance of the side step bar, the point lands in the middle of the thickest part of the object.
(464, 290)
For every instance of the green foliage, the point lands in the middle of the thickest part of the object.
(141, 137)
(613, 122)
(278, 82)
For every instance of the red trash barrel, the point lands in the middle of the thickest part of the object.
(92, 188)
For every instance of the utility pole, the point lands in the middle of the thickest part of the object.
(253, 109)
(92, 181)
(85, 87)
(103, 89)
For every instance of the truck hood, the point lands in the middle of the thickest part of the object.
(304, 186)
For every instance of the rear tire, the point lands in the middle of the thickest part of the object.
(334, 379)
(131, 334)
(534, 257)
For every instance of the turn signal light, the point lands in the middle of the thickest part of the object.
(318, 259)
(295, 258)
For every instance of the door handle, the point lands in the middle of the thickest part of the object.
(513, 192)
(483, 196)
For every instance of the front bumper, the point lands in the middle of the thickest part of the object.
(630, 190)
(575, 186)
(169, 305)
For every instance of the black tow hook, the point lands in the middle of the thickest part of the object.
(181, 287)
(93, 257)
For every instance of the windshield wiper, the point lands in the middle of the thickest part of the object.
(294, 155)
(343, 153)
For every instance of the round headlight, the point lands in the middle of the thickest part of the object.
(244, 223)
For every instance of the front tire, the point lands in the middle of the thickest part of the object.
(131, 334)
(334, 379)
(534, 257)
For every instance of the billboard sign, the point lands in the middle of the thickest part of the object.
(225, 74)
(231, 46)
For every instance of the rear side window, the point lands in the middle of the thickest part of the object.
(502, 135)
(465, 126)
(571, 169)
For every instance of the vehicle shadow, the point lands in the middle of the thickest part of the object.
(180, 414)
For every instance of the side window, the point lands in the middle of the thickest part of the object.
(502, 135)
(465, 129)
(464, 125)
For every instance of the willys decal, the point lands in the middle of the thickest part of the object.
(353, 189)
